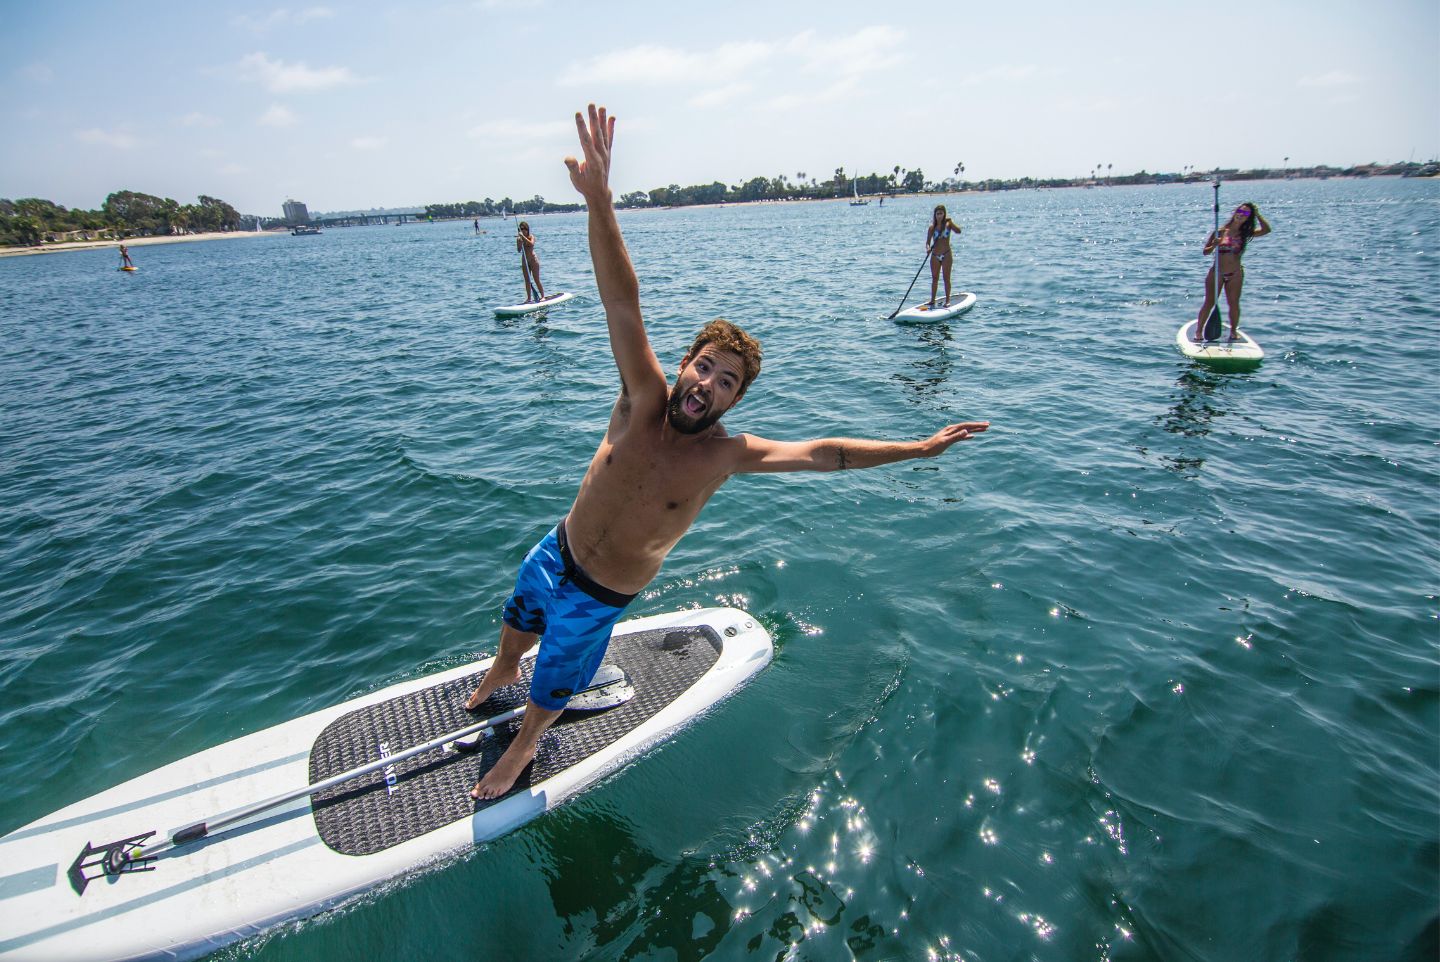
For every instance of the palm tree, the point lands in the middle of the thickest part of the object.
(1108, 168)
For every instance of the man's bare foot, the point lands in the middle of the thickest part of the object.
(501, 777)
(497, 677)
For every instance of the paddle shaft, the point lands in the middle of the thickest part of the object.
(912, 285)
(199, 830)
(1214, 317)
(524, 266)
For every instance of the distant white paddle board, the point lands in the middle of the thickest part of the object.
(60, 900)
(1241, 352)
(959, 304)
(514, 310)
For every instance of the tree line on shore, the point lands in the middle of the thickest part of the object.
(496, 208)
(126, 213)
(898, 182)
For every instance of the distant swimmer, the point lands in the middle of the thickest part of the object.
(529, 263)
(1230, 240)
(125, 257)
(937, 241)
(663, 455)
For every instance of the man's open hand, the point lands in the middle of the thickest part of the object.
(591, 174)
(940, 441)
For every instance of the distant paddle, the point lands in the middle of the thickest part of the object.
(1212, 323)
(917, 277)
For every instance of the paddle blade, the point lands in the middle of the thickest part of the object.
(609, 687)
(1213, 325)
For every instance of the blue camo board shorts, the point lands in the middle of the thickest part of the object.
(573, 615)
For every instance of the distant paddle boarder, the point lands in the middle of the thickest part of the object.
(529, 263)
(1230, 240)
(663, 455)
(937, 241)
(125, 261)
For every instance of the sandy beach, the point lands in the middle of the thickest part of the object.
(137, 242)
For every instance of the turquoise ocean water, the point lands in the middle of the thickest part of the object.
(1148, 672)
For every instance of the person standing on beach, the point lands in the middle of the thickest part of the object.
(937, 241)
(125, 257)
(529, 263)
(663, 455)
(1232, 237)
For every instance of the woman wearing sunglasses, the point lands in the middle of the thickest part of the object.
(1231, 238)
(937, 241)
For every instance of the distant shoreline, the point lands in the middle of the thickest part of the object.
(137, 242)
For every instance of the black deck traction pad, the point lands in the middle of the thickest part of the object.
(366, 815)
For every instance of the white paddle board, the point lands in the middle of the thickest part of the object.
(1241, 352)
(959, 304)
(516, 309)
(60, 900)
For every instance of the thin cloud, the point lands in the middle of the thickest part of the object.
(280, 77)
(1333, 78)
(283, 17)
(36, 73)
(118, 139)
(864, 51)
(1001, 74)
(369, 143)
(516, 130)
(279, 116)
(829, 67)
(720, 95)
(232, 169)
(653, 64)
(197, 119)
(798, 100)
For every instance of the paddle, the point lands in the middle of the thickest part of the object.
(1212, 323)
(911, 287)
(607, 689)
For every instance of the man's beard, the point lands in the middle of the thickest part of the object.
(682, 422)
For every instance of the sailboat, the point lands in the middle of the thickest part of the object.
(858, 201)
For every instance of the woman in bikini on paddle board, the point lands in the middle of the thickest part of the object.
(529, 263)
(937, 241)
(1244, 224)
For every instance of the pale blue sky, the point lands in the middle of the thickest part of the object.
(346, 105)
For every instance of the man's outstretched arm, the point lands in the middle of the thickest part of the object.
(761, 455)
(640, 369)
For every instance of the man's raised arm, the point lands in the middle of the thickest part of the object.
(640, 369)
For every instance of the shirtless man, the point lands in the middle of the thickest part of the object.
(664, 454)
